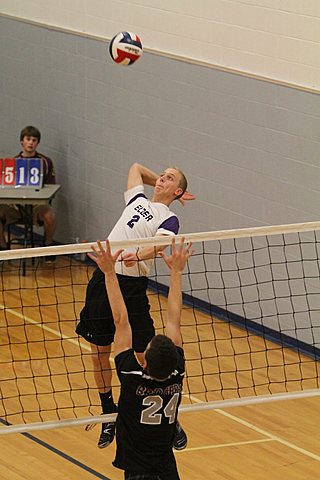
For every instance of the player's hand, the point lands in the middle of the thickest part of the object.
(179, 256)
(186, 197)
(103, 257)
(129, 259)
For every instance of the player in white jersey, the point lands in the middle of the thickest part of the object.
(141, 218)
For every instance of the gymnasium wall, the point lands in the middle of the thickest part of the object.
(250, 148)
(278, 39)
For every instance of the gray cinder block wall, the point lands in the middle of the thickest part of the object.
(249, 148)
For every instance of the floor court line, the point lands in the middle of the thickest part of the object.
(223, 445)
(61, 454)
(44, 327)
(221, 412)
(271, 436)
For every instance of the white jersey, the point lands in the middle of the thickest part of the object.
(142, 218)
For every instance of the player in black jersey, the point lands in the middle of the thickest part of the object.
(150, 394)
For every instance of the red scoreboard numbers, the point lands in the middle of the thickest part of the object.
(21, 172)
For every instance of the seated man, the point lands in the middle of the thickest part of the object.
(43, 214)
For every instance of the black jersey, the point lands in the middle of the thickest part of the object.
(147, 413)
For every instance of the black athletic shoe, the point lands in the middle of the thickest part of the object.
(50, 259)
(180, 438)
(107, 434)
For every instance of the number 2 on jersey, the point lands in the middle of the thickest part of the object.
(133, 220)
(151, 415)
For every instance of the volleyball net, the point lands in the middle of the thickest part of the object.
(250, 324)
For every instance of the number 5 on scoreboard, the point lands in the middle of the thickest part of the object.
(9, 172)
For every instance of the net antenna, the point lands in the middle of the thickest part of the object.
(250, 324)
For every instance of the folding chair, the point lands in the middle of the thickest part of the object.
(26, 223)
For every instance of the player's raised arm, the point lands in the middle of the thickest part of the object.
(106, 262)
(176, 262)
(141, 175)
(130, 259)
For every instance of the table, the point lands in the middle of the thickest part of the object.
(27, 198)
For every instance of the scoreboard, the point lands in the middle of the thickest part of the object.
(21, 172)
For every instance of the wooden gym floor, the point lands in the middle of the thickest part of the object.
(279, 440)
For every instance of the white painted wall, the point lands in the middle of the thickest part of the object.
(277, 39)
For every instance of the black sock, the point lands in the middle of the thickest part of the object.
(107, 403)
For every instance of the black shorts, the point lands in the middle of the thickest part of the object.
(149, 476)
(96, 322)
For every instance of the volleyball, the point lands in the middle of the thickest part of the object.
(125, 48)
